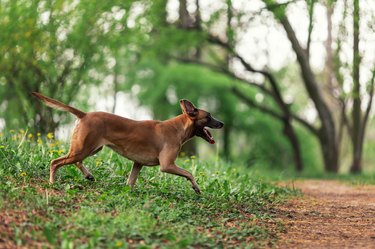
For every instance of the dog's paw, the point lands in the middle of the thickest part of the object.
(90, 177)
(196, 189)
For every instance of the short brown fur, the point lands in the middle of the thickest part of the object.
(146, 143)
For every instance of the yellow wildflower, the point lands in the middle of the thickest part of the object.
(50, 135)
(23, 174)
(38, 134)
(98, 162)
(22, 131)
(11, 131)
(193, 157)
(119, 244)
(30, 136)
(39, 141)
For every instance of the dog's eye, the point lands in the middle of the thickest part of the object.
(208, 118)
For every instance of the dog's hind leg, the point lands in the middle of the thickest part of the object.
(61, 161)
(86, 173)
(75, 156)
(134, 174)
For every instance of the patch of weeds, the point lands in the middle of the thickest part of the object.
(234, 209)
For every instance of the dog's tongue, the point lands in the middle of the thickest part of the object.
(209, 136)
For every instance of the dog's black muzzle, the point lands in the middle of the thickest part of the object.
(215, 124)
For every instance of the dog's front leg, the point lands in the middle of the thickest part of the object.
(134, 174)
(174, 169)
(167, 164)
(85, 171)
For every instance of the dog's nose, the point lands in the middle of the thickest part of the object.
(221, 125)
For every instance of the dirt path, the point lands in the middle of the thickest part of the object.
(331, 214)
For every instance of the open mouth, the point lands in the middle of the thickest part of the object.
(206, 135)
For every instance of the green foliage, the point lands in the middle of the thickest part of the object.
(254, 137)
(65, 49)
(52, 47)
(279, 10)
(162, 211)
(166, 84)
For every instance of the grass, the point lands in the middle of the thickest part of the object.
(277, 175)
(234, 210)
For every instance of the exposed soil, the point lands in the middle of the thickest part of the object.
(330, 214)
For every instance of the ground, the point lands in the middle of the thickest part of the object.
(329, 214)
(237, 208)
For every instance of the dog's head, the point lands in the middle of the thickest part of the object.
(201, 119)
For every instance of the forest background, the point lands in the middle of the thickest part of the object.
(293, 81)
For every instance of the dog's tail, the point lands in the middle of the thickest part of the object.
(58, 105)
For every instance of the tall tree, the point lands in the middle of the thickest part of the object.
(223, 66)
(326, 133)
(48, 46)
(359, 119)
(356, 113)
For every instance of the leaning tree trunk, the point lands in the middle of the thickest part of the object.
(327, 136)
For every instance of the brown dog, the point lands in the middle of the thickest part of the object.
(146, 143)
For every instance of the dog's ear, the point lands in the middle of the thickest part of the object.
(188, 108)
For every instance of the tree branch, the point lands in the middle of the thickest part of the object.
(311, 85)
(310, 4)
(273, 113)
(306, 124)
(225, 71)
(250, 68)
(276, 93)
(252, 103)
(272, 6)
(369, 105)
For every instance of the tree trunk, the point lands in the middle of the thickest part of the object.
(328, 134)
(328, 47)
(329, 151)
(294, 142)
(190, 148)
(332, 156)
(226, 140)
(356, 166)
(357, 160)
(115, 86)
(185, 19)
(286, 118)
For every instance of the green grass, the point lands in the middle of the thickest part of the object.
(234, 210)
(276, 175)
